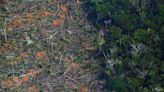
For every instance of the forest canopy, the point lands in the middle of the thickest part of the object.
(132, 45)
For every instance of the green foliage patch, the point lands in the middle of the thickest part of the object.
(133, 44)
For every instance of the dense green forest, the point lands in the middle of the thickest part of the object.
(131, 45)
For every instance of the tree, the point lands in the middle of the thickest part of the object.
(133, 46)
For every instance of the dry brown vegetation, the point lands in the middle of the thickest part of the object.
(44, 47)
